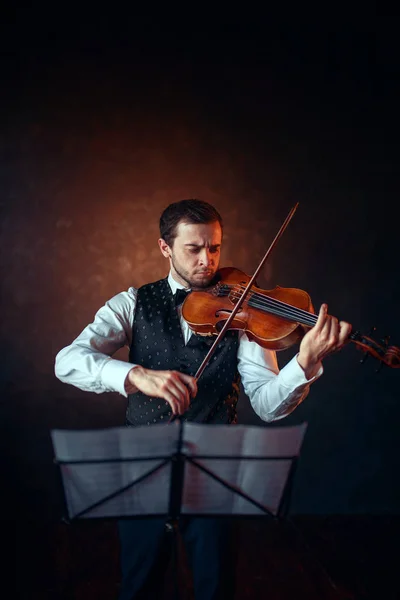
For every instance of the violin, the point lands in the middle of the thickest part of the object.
(276, 319)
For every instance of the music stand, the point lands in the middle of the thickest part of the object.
(178, 469)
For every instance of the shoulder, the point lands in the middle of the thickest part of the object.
(123, 302)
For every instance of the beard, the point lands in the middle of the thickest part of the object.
(194, 284)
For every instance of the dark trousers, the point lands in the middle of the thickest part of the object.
(146, 547)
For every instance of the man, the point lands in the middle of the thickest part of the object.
(158, 381)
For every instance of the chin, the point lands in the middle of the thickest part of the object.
(202, 281)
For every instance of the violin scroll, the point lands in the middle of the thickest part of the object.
(388, 355)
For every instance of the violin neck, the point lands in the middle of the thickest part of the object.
(389, 355)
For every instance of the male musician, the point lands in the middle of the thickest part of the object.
(158, 382)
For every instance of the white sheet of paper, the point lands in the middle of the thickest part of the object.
(88, 484)
(262, 480)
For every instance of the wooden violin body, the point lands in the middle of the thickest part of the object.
(276, 319)
(206, 311)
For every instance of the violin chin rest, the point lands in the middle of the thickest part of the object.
(210, 334)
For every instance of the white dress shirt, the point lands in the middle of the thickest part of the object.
(88, 364)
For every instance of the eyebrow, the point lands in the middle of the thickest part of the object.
(203, 246)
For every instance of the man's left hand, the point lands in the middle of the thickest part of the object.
(327, 336)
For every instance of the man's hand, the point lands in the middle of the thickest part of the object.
(327, 336)
(174, 387)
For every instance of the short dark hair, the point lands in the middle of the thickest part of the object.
(186, 211)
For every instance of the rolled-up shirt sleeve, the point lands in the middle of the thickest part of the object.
(87, 363)
(274, 393)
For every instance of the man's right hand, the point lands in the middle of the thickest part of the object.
(174, 387)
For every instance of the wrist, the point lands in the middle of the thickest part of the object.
(132, 378)
(309, 365)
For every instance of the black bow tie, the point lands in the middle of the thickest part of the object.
(180, 295)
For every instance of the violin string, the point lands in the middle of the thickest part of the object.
(267, 300)
(276, 306)
(268, 306)
(273, 308)
(299, 311)
(308, 318)
(291, 314)
(283, 309)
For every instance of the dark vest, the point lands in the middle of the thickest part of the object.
(157, 343)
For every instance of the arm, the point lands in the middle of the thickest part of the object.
(87, 362)
(274, 394)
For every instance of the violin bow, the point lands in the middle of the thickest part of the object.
(239, 303)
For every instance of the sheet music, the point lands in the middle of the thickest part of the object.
(87, 484)
(263, 480)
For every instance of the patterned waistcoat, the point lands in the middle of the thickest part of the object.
(158, 343)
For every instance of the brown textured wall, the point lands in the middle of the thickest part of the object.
(83, 224)
(94, 147)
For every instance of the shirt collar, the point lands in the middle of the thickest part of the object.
(174, 285)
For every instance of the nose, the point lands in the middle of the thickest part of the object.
(206, 258)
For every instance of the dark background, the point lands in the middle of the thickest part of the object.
(102, 126)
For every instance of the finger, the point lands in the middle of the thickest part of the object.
(334, 331)
(322, 316)
(182, 389)
(190, 381)
(171, 392)
(178, 397)
(344, 332)
(170, 398)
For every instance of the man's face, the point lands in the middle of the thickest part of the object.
(195, 253)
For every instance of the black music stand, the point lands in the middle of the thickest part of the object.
(178, 469)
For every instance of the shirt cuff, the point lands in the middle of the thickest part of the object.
(113, 375)
(293, 376)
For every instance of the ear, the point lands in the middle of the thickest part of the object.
(165, 249)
